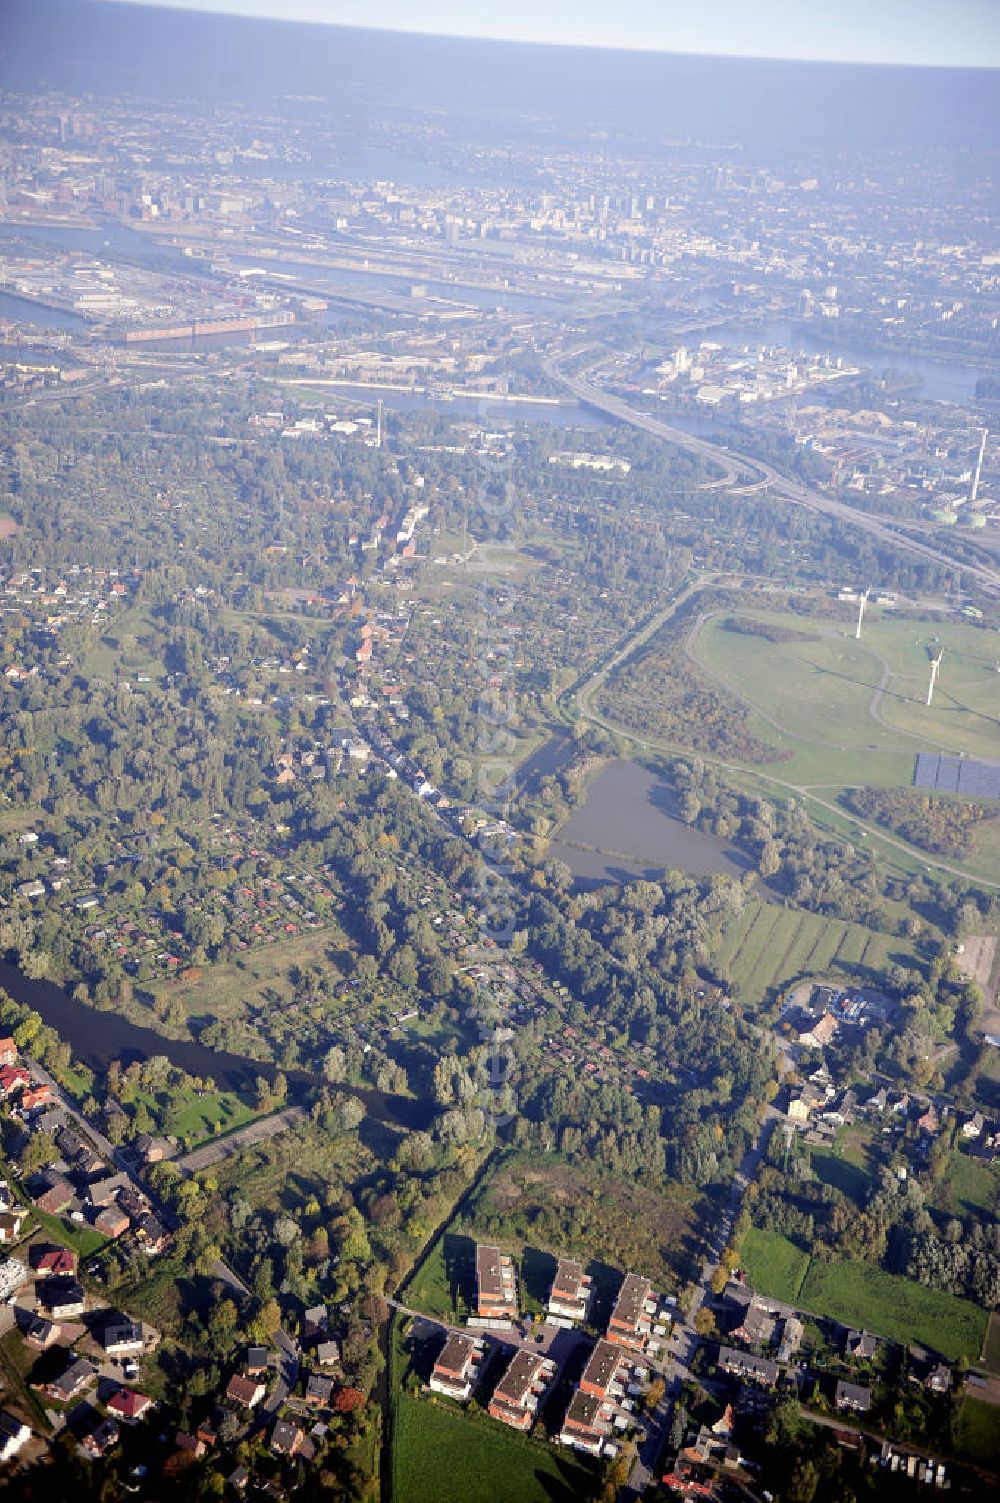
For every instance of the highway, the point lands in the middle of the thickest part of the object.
(758, 475)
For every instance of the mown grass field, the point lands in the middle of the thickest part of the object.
(443, 1456)
(766, 947)
(859, 1294)
(991, 1347)
(853, 714)
(773, 1265)
(817, 692)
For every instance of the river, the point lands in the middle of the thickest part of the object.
(628, 828)
(941, 380)
(96, 1038)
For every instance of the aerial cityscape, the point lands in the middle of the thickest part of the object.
(499, 758)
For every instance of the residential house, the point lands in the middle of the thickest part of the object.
(76, 1377)
(588, 1423)
(328, 1353)
(41, 1333)
(756, 1324)
(457, 1368)
(258, 1361)
(601, 1370)
(122, 1337)
(103, 1191)
(11, 1223)
(60, 1298)
(245, 1393)
(315, 1322)
(13, 1078)
(33, 1098)
(860, 1346)
(286, 1438)
(570, 1294)
(972, 1128)
(745, 1365)
(318, 1392)
(496, 1297)
(8, 1052)
(14, 1435)
(128, 1405)
(103, 1439)
(819, 1033)
(111, 1223)
(55, 1194)
(631, 1319)
(852, 1397)
(151, 1234)
(792, 1331)
(55, 1261)
(517, 1396)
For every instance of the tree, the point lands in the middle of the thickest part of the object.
(39, 1151)
(704, 1323)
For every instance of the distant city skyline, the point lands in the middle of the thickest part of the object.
(961, 33)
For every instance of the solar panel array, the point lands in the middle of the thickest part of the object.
(957, 775)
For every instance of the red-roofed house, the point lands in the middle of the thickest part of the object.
(53, 1260)
(128, 1405)
(13, 1078)
(8, 1052)
(36, 1096)
(245, 1391)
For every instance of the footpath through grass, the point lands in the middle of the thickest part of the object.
(443, 1456)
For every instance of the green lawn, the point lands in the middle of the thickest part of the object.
(82, 1238)
(443, 1456)
(859, 1294)
(773, 1265)
(972, 1185)
(978, 1435)
(835, 1169)
(445, 1282)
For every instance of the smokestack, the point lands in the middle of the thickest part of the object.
(979, 466)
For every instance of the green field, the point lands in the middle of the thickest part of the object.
(773, 1265)
(853, 714)
(818, 693)
(970, 1185)
(861, 1295)
(836, 1169)
(978, 1436)
(765, 947)
(442, 1456)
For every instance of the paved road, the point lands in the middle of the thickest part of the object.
(758, 474)
(243, 1137)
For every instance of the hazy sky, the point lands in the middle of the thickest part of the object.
(946, 32)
